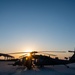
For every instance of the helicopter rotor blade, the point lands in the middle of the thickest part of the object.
(37, 52)
(71, 51)
(22, 56)
(18, 52)
(47, 54)
(54, 51)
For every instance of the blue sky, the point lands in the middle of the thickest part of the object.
(37, 25)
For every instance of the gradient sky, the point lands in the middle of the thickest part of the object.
(37, 25)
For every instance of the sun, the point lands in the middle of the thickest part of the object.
(28, 54)
(28, 50)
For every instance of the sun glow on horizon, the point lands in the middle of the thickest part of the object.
(28, 50)
(28, 54)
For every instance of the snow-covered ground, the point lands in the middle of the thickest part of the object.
(6, 69)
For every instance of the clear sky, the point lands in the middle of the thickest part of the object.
(37, 25)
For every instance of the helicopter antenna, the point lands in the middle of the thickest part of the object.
(72, 51)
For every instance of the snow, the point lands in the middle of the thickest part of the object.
(6, 69)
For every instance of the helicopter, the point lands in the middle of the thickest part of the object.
(41, 60)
